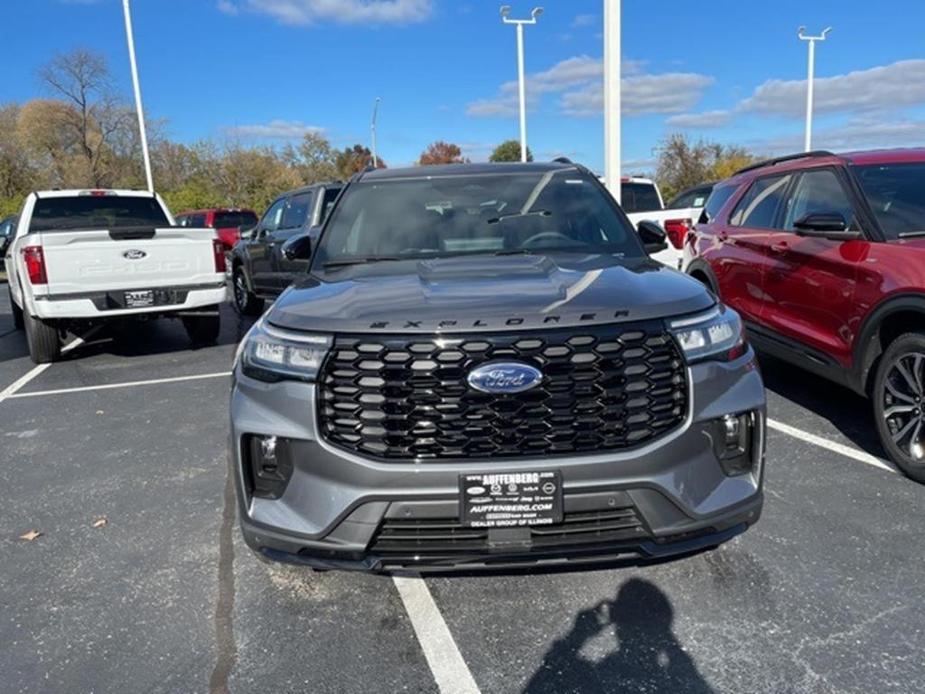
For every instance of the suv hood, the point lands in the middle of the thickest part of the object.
(487, 293)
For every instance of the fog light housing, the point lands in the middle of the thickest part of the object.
(734, 440)
(267, 465)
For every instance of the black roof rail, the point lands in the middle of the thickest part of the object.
(562, 160)
(780, 160)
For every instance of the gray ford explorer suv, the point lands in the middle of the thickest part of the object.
(482, 368)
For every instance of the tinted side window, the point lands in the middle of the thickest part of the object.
(758, 208)
(271, 219)
(197, 220)
(296, 211)
(818, 192)
(715, 202)
(639, 197)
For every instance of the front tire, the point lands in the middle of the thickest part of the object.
(245, 301)
(203, 330)
(43, 340)
(899, 404)
(18, 322)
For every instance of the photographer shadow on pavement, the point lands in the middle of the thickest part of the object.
(647, 657)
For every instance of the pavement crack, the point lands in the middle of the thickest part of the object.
(225, 646)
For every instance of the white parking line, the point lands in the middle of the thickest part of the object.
(10, 390)
(446, 663)
(129, 384)
(846, 451)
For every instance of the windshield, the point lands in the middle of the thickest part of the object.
(460, 214)
(229, 220)
(894, 192)
(92, 212)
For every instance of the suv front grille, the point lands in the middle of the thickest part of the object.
(604, 388)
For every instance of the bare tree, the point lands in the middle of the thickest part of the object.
(96, 117)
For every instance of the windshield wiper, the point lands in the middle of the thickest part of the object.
(344, 262)
(911, 234)
(513, 215)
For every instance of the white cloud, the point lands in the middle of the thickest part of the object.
(306, 12)
(706, 119)
(584, 20)
(671, 92)
(858, 133)
(885, 87)
(274, 130)
(580, 82)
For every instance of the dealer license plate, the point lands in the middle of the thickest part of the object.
(139, 299)
(510, 499)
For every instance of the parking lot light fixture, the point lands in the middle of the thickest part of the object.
(519, 23)
(138, 104)
(372, 132)
(811, 40)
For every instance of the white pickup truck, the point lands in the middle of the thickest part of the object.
(86, 256)
(642, 200)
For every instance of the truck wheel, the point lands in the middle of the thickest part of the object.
(245, 301)
(17, 312)
(44, 342)
(203, 330)
(899, 403)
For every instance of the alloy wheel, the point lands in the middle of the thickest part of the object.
(903, 397)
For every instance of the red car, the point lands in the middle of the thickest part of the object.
(823, 256)
(227, 222)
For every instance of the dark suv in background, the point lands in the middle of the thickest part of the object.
(823, 256)
(263, 263)
(484, 368)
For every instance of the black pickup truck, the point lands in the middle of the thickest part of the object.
(262, 263)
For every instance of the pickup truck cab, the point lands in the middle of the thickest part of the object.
(85, 256)
(263, 263)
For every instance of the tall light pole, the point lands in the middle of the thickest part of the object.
(519, 23)
(613, 119)
(372, 132)
(809, 81)
(138, 105)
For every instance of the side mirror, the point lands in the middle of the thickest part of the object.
(825, 225)
(653, 236)
(298, 248)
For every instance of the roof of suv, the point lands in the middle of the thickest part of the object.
(822, 157)
(467, 169)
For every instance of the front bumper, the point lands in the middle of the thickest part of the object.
(337, 505)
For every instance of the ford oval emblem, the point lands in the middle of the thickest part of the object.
(134, 254)
(504, 378)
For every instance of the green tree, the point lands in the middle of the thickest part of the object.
(441, 152)
(354, 159)
(509, 150)
(314, 159)
(683, 163)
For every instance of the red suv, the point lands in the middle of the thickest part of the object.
(823, 255)
(227, 222)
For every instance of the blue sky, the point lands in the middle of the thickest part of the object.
(263, 71)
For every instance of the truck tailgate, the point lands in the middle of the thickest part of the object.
(88, 261)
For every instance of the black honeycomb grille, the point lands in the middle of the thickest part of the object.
(605, 388)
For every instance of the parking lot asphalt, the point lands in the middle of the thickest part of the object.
(823, 595)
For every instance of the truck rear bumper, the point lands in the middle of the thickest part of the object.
(111, 304)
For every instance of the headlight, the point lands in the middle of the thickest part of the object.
(716, 334)
(272, 354)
